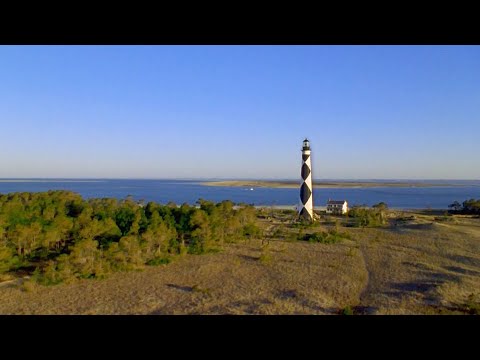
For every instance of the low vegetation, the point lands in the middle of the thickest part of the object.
(331, 236)
(368, 217)
(372, 261)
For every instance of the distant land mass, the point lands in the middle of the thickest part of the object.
(48, 181)
(323, 184)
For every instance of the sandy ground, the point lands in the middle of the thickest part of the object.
(420, 267)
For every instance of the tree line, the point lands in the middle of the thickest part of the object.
(58, 236)
(470, 206)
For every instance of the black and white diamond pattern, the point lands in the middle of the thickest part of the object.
(306, 198)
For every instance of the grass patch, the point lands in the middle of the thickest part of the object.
(29, 285)
(303, 224)
(288, 212)
(198, 289)
(473, 307)
(347, 310)
(352, 251)
(444, 218)
(159, 261)
(265, 256)
(331, 237)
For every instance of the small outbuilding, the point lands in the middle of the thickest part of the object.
(337, 207)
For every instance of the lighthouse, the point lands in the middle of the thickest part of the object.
(305, 209)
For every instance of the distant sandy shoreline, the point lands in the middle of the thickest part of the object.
(323, 208)
(48, 181)
(325, 185)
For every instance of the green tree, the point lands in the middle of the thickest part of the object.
(126, 254)
(157, 238)
(124, 219)
(455, 206)
(202, 234)
(380, 206)
(86, 260)
(139, 223)
(471, 206)
(27, 238)
(63, 225)
(6, 257)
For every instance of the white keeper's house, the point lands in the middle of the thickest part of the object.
(337, 206)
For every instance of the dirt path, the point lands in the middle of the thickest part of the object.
(363, 307)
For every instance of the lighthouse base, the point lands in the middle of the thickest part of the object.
(304, 215)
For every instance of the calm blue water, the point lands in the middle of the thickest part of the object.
(180, 191)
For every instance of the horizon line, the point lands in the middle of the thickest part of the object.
(231, 178)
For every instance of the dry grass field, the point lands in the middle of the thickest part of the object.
(421, 264)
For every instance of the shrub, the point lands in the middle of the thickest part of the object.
(196, 288)
(29, 285)
(159, 261)
(352, 251)
(331, 237)
(49, 276)
(380, 206)
(347, 310)
(265, 257)
(363, 217)
(251, 231)
(320, 237)
(303, 224)
(444, 218)
(473, 307)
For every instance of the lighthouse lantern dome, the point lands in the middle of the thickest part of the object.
(306, 144)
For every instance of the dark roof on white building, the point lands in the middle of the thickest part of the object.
(336, 202)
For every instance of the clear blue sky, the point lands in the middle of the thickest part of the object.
(239, 111)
